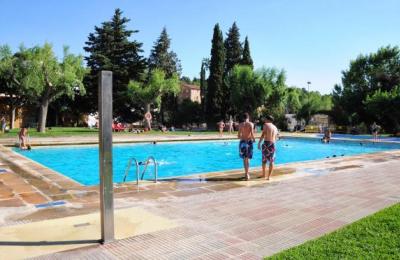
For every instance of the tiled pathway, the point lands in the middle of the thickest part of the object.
(260, 220)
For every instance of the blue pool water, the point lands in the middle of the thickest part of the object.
(184, 158)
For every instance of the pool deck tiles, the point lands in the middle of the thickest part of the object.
(20, 241)
(213, 216)
(259, 220)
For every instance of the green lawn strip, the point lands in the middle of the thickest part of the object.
(82, 131)
(373, 237)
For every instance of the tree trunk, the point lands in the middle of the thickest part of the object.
(56, 119)
(147, 107)
(44, 106)
(12, 118)
(148, 122)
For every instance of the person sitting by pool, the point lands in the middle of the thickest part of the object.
(163, 128)
(269, 136)
(246, 136)
(23, 137)
(327, 136)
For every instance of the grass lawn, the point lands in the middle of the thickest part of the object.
(83, 131)
(374, 237)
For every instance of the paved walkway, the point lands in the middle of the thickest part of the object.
(259, 220)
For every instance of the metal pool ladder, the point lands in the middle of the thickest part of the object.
(150, 160)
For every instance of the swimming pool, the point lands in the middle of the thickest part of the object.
(185, 158)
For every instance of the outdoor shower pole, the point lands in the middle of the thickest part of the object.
(105, 157)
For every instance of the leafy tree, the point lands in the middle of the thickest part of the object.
(215, 94)
(189, 112)
(186, 79)
(248, 89)
(383, 106)
(47, 78)
(366, 75)
(275, 103)
(110, 47)
(293, 100)
(196, 81)
(12, 84)
(150, 92)
(246, 58)
(161, 57)
(340, 116)
(314, 103)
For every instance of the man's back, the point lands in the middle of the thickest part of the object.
(246, 131)
(270, 132)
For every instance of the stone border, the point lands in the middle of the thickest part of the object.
(32, 168)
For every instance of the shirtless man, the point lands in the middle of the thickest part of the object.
(246, 136)
(269, 135)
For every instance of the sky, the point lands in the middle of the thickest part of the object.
(312, 40)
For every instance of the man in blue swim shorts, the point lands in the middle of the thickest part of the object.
(269, 136)
(246, 136)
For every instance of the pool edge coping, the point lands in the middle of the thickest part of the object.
(36, 172)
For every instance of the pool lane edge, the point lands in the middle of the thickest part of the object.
(29, 167)
(93, 140)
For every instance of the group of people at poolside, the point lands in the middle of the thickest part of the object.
(221, 126)
(266, 144)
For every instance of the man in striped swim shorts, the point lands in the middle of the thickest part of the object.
(246, 136)
(269, 136)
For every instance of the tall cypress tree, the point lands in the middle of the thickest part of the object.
(161, 57)
(246, 59)
(233, 48)
(203, 84)
(215, 93)
(109, 47)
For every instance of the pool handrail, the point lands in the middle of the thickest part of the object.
(137, 164)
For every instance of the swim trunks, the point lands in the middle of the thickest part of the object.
(268, 151)
(246, 149)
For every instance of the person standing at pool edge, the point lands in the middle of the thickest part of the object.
(3, 124)
(269, 135)
(221, 126)
(246, 136)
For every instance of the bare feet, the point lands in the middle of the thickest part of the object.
(247, 177)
